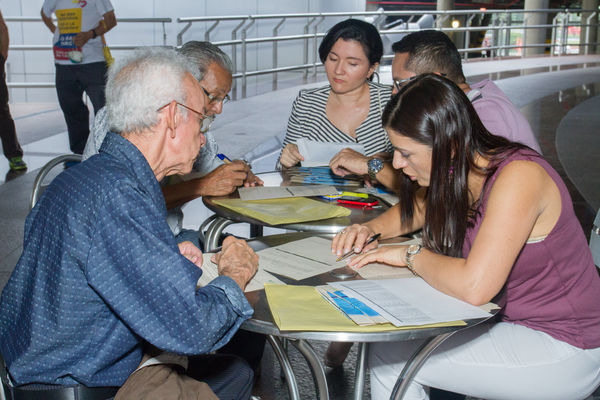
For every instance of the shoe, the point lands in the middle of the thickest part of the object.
(17, 164)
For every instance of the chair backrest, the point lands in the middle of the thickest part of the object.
(38, 186)
(595, 240)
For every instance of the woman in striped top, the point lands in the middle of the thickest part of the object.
(349, 109)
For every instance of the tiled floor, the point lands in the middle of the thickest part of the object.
(561, 109)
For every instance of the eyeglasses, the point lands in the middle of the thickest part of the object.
(206, 120)
(212, 99)
(400, 83)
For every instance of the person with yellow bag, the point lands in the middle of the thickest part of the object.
(79, 55)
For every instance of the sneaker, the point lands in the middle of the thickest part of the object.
(17, 164)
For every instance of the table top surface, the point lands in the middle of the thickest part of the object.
(262, 320)
(358, 215)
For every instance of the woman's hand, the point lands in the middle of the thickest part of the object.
(353, 236)
(191, 252)
(290, 155)
(390, 255)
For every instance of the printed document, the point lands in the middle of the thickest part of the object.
(210, 272)
(319, 153)
(410, 301)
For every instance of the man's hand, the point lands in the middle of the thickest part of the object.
(348, 162)
(237, 261)
(290, 155)
(252, 180)
(191, 252)
(225, 179)
(82, 38)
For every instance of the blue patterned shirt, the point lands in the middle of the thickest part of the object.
(101, 273)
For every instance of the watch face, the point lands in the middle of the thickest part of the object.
(375, 165)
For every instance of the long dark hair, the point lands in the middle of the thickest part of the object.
(433, 111)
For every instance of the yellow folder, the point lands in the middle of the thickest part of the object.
(302, 308)
(285, 210)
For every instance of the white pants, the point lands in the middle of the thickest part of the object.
(499, 361)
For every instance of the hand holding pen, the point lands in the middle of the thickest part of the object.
(352, 251)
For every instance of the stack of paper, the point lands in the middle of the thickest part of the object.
(352, 307)
(321, 176)
(319, 153)
(278, 192)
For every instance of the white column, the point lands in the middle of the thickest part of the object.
(536, 36)
(593, 35)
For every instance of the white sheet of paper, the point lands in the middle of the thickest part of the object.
(300, 259)
(319, 153)
(410, 301)
(261, 192)
(210, 272)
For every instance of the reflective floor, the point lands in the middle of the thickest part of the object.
(561, 106)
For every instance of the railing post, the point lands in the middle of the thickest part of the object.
(209, 30)
(315, 47)
(244, 55)
(554, 35)
(525, 21)
(305, 59)
(180, 34)
(164, 34)
(563, 43)
(275, 32)
(507, 35)
(588, 29)
(234, 56)
(468, 35)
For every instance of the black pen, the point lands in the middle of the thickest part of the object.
(348, 254)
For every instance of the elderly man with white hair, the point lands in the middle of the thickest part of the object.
(101, 276)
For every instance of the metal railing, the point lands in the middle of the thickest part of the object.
(501, 27)
(502, 24)
(48, 47)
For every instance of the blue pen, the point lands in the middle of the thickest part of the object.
(223, 158)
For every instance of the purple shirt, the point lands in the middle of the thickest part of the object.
(553, 286)
(499, 115)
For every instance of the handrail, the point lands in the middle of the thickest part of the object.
(501, 29)
(500, 26)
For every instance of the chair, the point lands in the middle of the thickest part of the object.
(38, 186)
(595, 240)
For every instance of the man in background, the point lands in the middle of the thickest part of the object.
(79, 59)
(432, 51)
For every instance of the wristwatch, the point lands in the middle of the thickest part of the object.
(411, 252)
(374, 165)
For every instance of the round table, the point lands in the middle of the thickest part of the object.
(262, 322)
(223, 217)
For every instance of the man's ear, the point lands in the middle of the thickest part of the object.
(173, 117)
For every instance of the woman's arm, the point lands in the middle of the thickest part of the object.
(524, 201)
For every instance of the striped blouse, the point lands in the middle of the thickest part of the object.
(309, 120)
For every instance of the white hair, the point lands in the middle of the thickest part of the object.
(138, 85)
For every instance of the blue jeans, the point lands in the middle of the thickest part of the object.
(191, 236)
(71, 82)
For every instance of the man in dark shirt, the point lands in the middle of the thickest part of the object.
(101, 274)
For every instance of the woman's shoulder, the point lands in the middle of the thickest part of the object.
(314, 93)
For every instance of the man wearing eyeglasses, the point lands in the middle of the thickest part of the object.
(431, 51)
(101, 275)
(212, 176)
